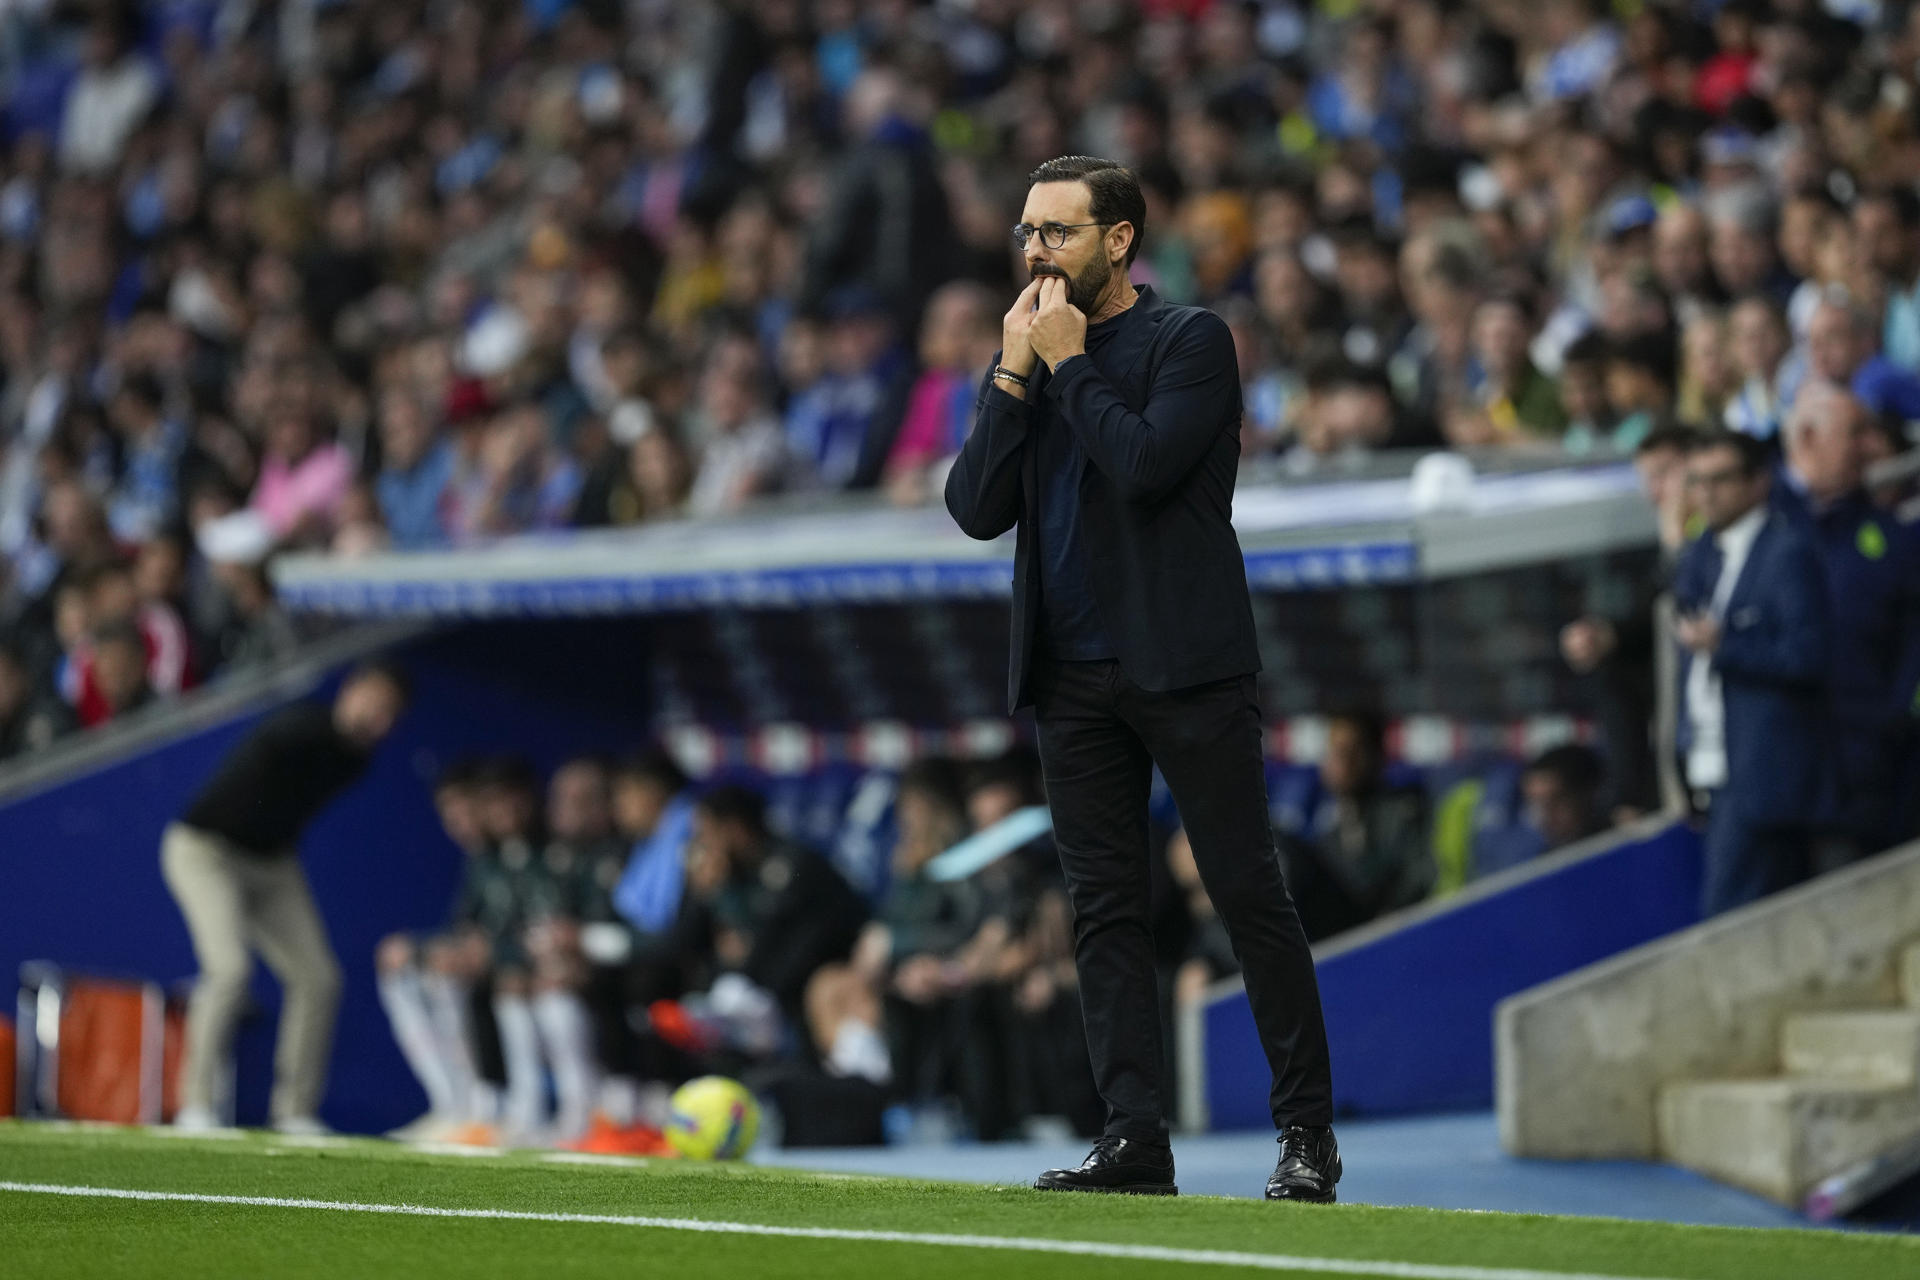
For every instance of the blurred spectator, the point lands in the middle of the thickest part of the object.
(426, 983)
(1348, 410)
(1873, 584)
(110, 97)
(154, 448)
(957, 338)
(1583, 49)
(1841, 347)
(771, 913)
(1680, 261)
(1756, 634)
(303, 480)
(1741, 230)
(257, 630)
(581, 862)
(833, 425)
(743, 453)
(653, 808)
(908, 960)
(522, 482)
(1760, 343)
(1363, 849)
(1583, 394)
(1515, 396)
(1564, 790)
(1661, 462)
(1887, 221)
(1641, 384)
(886, 226)
(29, 720)
(415, 473)
(109, 601)
(1707, 374)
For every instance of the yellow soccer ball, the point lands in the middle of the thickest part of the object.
(712, 1118)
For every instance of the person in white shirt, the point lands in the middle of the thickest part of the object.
(110, 97)
(1756, 630)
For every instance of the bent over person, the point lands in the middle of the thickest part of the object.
(1108, 433)
(232, 865)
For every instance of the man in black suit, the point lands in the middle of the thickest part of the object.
(1109, 433)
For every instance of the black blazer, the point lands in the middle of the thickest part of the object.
(1158, 418)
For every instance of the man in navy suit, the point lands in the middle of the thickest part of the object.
(1873, 583)
(1755, 630)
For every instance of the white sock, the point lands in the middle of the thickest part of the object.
(620, 1100)
(526, 1102)
(566, 1034)
(860, 1050)
(402, 997)
(453, 1030)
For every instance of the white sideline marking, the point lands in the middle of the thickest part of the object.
(1087, 1248)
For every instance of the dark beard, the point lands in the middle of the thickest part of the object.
(1083, 290)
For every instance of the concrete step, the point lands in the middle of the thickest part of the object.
(1778, 1137)
(1853, 1044)
(1910, 975)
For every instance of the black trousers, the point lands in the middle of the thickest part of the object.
(1100, 736)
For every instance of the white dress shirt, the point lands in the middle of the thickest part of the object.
(1706, 710)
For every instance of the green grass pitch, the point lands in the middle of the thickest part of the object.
(501, 1215)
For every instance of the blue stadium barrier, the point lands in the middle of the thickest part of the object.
(1409, 1001)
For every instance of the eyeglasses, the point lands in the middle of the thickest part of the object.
(1052, 234)
(1714, 479)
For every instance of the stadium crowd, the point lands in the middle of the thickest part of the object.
(336, 274)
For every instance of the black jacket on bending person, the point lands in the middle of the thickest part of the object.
(273, 784)
(1155, 409)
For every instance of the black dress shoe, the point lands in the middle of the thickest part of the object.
(1309, 1166)
(1120, 1165)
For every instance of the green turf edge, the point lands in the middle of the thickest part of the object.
(374, 1171)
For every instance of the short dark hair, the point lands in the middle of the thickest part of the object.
(653, 765)
(935, 777)
(382, 669)
(460, 774)
(511, 773)
(1113, 189)
(1672, 435)
(1337, 373)
(1017, 767)
(1903, 199)
(1588, 348)
(732, 802)
(126, 633)
(143, 387)
(89, 578)
(1753, 452)
(1574, 766)
(1368, 723)
(1649, 353)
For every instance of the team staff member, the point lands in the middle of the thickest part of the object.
(232, 865)
(1109, 434)
(1756, 631)
(1873, 589)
